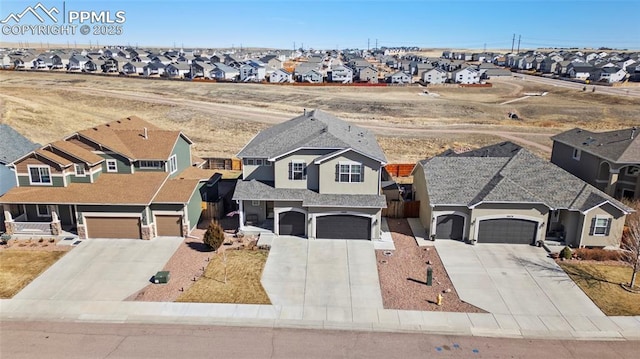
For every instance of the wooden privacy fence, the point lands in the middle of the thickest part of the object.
(213, 163)
(212, 210)
(402, 209)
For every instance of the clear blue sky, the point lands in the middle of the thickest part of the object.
(331, 24)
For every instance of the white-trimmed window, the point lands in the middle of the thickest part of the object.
(600, 226)
(249, 162)
(297, 170)
(43, 210)
(39, 175)
(173, 164)
(350, 172)
(259, 162)
(151, 164)
(112, 166)
(632, 171)
(576, 154)
(79, 168)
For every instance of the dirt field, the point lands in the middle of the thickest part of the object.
(221, 118)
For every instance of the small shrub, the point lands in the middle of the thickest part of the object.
(51, 240)
(566, 253)
(214, 236)
(597, 254)
(40, 240)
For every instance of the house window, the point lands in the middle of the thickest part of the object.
(39, 175)
(79, 170)
(350, 172)
(173, 164)
(112, 166)
(632, 171)
(576, 154)
(151, 164)
(255, 203)
(601, 226)
(297, 170)
(43, 210)
(628, 193)
(250, 162)
(267, 163)
(259, 162)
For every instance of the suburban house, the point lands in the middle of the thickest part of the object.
(201, 69)
(153, 69)
(608, 74)
(341, 74)
(580, 71)
(224, 72)
(133, 68)
(312, 76)
(399, 77)
(313, 176)
(434, 76)
(608, 160)
(368, 74)
(123, 179)
(179, 71)
(76, 62)
(505, 194)
(281, 76)
(467, 75)
(252, 71)
(12, 146)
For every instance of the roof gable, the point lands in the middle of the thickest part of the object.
(13, 145)
(619, 146)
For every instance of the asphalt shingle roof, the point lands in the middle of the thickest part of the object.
(620, 146)
(507, 173)
(314, 129)
(13, 145)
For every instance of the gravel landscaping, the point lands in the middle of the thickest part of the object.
(403, 275)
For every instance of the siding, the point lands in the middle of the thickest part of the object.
(111, 209)
(371, 184)
(421, 194)
(194, 208)
(586, 168)
(123, 164)
(182, 150)
(23, 181)
(22, 166)
(259, 210)
(615, 233)
(260, 173)
(281, 169)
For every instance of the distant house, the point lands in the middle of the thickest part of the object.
(468, 75)
(93, 65)
(548, 65)
(580, 71)
(224, 72)
(341, 74)
(12, 146)
(368, 74)
(272, 61)
(312, 76)
(608, 74)
(201, 69)
(77, 62)
(153, 69)
(399, 77)
(252, 71)
(434, 76)
(110, 65)
(133, 68)
(281, 76)
(178, 71)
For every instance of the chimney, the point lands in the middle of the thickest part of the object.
(305, 111)
(146, 134)
(633, 131)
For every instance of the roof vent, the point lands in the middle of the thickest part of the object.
(305, 111)
(146, 134)
(633, 132)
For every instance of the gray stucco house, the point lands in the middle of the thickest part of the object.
(505, 194)
(609, 160)
(12, 146)
(313, 176)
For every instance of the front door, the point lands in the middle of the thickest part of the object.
(269, 213)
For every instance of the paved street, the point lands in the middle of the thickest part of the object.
(102, 270)
(87, 340)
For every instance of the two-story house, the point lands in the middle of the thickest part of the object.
(341, 74)
(608, 160)
(12, 146)
(313, 176)
(117, 180)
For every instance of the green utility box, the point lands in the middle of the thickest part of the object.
(161, 277)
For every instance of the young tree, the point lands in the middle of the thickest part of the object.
(214, 236)
(631, 241)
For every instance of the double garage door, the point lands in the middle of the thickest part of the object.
(129, 227)
(502, 230)
(327, 227)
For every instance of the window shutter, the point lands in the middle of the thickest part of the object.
(304, 171)
(361, 173)
(593, 226)
(290, 170)
(606, 232)
(338, 173)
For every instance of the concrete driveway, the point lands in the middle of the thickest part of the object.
(102, 270)
(513, 279)
(325, 279)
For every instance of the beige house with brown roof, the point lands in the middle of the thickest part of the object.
(123, 179)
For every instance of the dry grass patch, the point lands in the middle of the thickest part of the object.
(244, 269)
(601, 282)
(19, 268)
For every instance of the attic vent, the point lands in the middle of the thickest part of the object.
(324, 130)
(119, 121)
(95, 129)
(589, 141)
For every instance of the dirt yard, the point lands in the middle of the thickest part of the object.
(221, 118)
(403, 275)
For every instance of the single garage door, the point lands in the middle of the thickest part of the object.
(113, 227)
(516, 231)
(169, 226)
(343, 227)
(450, 226)
(292, 223)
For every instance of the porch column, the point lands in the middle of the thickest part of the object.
(613, 181)
(8, 223)
(56, 227)
(241, 215)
